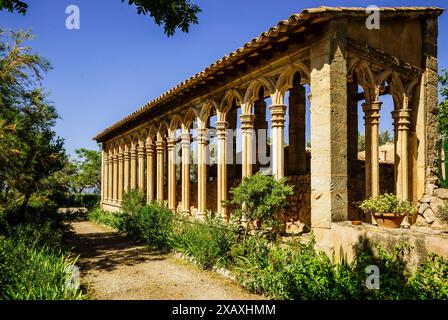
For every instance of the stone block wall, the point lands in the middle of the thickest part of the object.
(428, 208)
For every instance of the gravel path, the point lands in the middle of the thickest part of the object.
(115, 268)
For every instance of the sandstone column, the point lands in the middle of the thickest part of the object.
(368, 149)
(141, 166)
(150, 153)
(126, 157)
(232, 119)
(402, 130)
(171, 145)
(202, 170)
(185, 170)
(133, 154)
(278, 143)
(260, 124)
(221, 127)
(373, 115)
(110, 164)
(103, 176)
(120, 175)
(115, 188)
(160, 148)
(329, 132)
(247, 128)
(297, 137)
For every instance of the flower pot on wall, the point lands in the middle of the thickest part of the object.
(388, 220)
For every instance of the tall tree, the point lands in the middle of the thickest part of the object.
(172, 14)
(30, 149)
(443, 106)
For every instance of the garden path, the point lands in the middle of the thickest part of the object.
(113, 267)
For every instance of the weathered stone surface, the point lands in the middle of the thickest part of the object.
(429, 215)
(423, 207)
(441, 193)
(436, 203)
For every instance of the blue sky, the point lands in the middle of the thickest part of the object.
(119, 60)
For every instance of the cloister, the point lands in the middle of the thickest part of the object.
(324, 64)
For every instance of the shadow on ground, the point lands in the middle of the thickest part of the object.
(103, 250)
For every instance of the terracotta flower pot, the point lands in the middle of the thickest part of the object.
(388, 220)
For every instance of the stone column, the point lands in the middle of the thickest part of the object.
(133, 155)
(278, 142)
(103, 176)
(260, 124)
(247, 128)
(141, 166)
(171, 145)
(150, 153)
(110, 180)
(401, 119)
(186, 170)
(120, 175)
(372, 115)
(115, 188)
(297, 137)
(368, 150)
(221, 128)
(202, 171)
(329, 133)
(126, 157)
(232, 119)
(160, 149)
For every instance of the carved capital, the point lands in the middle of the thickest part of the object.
(372, 112)
(247, 121)
(401, 119)
(277, 115)
(160, 147)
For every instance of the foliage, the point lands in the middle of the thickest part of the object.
(383, 138)
(104, 217)
(13, 5)
(151, 224)
(86, 171)
(442, 212)
(173, 14)
(31, 152)
(133, 201)
(208, 242)
(258, 196)
(443, 106)
(430, 281)
(387, 203)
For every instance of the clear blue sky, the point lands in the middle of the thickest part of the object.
(119, 60)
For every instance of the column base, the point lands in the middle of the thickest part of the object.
(201, 215)
(185, 212)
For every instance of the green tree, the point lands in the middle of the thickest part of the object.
(384, 137)
(88, 173)
(443, 106)
(172, 14)
(30, 149)
(361, 142)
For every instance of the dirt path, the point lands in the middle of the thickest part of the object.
(115, 268)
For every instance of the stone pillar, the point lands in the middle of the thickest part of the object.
(150, 153)
(186, 170)
(260, 123)
(171, 145)
(103, 176)
(247, 128)
(329, 133)
(278, 142)
(232, 119)
(297, 137)
(120, 175)
(126, 157)
(160, 149)
(141, 166)
(133, 154)
(430, 104)
(110, 179)
(221, 127)
(401, 121)
(368, 150)
(372, 115)
(202, 171)
(115, 188)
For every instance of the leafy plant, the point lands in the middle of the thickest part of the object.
(258, 197)
(133, 201)
(442, 212)
(387, 203)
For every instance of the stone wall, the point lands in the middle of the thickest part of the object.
(428, 207)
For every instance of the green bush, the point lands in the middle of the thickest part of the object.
(209, 242)
(151, 224)
(32, 266)
(387, 203)
(133, 201)
(442, 212)
(258, 197)
(109, 219)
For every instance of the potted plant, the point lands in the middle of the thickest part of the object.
(387, 210)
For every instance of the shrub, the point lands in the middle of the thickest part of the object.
(387, 203)
(442, 212)
(208, 242)
(133, 201)
(151, 224)
(257, 197)
(107, 218)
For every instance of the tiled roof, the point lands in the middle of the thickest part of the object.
(313, 15)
